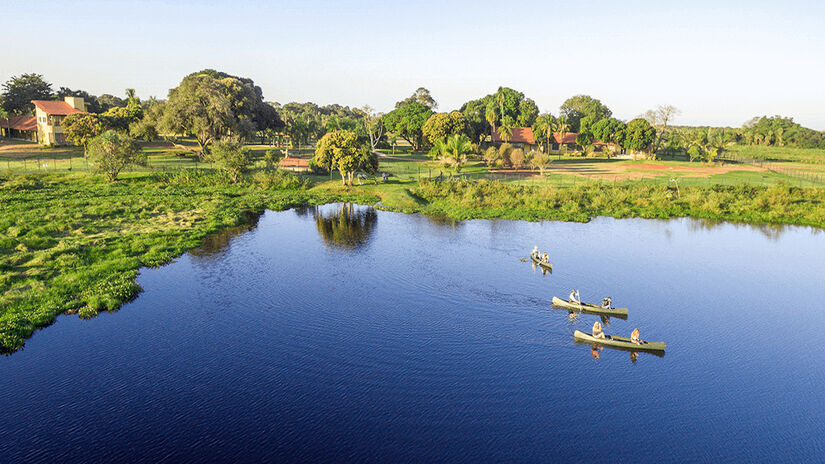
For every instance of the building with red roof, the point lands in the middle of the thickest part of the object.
(19, 127)
(49, 116)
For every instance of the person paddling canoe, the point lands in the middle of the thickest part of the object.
(607, 303)
(634, 337)
(574, 297)
(545, 258)
(597, 331)
(535, 251)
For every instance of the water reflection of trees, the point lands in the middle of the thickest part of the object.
(219, 241)
(347, 227)
(770, 231)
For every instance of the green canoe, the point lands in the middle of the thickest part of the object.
(548, 266)
(589, 308)
(621, 343)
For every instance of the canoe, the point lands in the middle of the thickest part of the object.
(621, 343)
(589, 308)
(548, 266)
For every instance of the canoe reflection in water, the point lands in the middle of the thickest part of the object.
(346, 226)
(544, 270)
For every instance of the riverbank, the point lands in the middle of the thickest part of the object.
(73, 243)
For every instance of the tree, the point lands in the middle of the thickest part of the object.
(147, 128)
(659, 118)
(408, 123)
(19, 91)
(373, 126)
(81, 128)
(577, 107)
(454, 150)
(609, 130)
(491, 117)
(442, 125)
(543, 129)
(505, 132)
(504, 151)
(539, 160)
(341, 150)
(640, 135)
(110, 153)
(504, 104)
(231, 157)
(422, 96)
(209, 104)
(561, 127)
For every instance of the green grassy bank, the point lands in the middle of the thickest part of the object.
(74, 243)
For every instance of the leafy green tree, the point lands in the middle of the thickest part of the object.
(80, 128)
(454, 150)
(147, 128)
(110, 153)
(373, 126)
(231, 157)
(19, 91)
(577, 107)
(342, 150)
(422, 96)
(442, 125)
(610, 130)
(408, 122)
(209, 104)
(504, 104)
(640, 135)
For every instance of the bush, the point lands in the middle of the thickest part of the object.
(110, 153)
(517, 158)
(279, 180)
(272, 157)
(231, 157)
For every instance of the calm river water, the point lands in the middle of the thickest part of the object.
(340, 333)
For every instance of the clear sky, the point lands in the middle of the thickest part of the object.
(720, 62)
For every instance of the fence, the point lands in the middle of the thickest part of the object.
(806, 175)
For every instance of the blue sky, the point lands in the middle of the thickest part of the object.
(719, 62)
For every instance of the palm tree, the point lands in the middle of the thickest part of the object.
(455, 150)
(561, 127)
(505, 132)
(490, 116)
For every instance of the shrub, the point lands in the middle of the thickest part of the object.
(517, 158)
(110, 153)
(231, 157)
(272, 157)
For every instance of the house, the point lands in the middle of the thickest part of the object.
(19, 127)
(567, 143)
(49, 115)
(522, 137)
(294, 164)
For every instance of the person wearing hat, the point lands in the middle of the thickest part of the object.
(574, 297)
